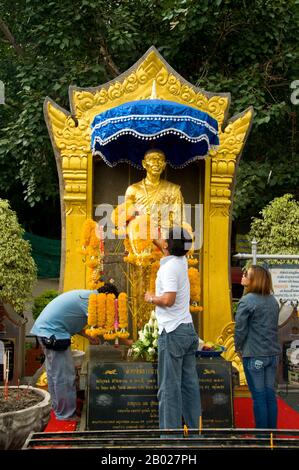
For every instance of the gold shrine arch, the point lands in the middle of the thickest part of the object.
(70, 134)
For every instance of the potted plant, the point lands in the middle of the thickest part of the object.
(17, 267)
(23, 409)
(18, 416)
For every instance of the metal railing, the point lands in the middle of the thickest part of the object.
(254, 255)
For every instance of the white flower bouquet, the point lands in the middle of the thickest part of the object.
(146, 347)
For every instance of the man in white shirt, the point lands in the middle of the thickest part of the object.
(178, 393)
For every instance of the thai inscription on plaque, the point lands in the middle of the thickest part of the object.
(123, 395)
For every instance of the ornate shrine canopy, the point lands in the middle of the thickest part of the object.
(124, 133)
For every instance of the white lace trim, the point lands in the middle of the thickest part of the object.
(156, 117)
(140, 136)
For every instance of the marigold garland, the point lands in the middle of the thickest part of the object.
(110, 314)
(122, 315)
(192, 261)
(195, 308)
(154, 269)
(92, 310)
(88, 227)
(194, 278)
(110, 311)
(102, 314)
(92, 247)
(101, 309)
(122, 310)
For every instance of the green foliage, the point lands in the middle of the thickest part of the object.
(258, 181)
(277, 230)
(42, 300)
(234, 308)
(17, 268)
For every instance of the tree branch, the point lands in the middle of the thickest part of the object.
(8, 35)
(110, 65)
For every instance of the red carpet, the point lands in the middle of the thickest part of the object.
(56, 425)
(288, 418)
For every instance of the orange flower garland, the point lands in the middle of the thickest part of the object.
(194, 278)
(88, 226)
(192, 261)
(123, 315)
(102, 316)
(154, 269)
(110, 313)
(101, 308)
(92, 248)
(195, 308)
(92, 310)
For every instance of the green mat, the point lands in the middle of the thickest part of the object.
(46, 254)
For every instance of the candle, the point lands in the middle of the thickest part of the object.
(4, 366)
(7, 366)
(18, 394)
(5, 377)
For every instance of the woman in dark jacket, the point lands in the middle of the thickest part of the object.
(256, 340)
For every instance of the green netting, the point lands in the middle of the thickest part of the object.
(46, 254)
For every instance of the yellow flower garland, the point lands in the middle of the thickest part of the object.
(192, 261)
(195, 308)
(88, 227)
(194, 278)
(101, 316)
(154, 269)
(123, 315)
(92, 310)
(122, 310)
(110, 311)
(92, 249)
(101, 309)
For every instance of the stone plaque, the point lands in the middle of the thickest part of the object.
(123, 395)
(215, 378)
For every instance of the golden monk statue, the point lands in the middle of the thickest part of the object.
(153, 205)
(158, 198)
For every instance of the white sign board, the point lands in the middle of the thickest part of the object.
(285, 279)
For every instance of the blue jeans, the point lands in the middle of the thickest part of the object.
(61, 377)
(260, 374)
(178, 393)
